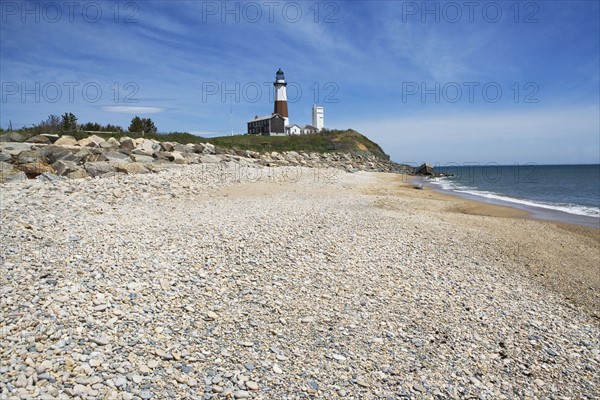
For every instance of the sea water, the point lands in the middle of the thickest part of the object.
(570, 189)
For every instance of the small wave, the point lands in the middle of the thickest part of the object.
(568, 208)
(446, 184)
(575, 209)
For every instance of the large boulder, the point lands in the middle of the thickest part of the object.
(209, 158)
(179, 158)
(66, 140)
(131, 168)
(5, 157)
(198, 148)
(91, 141)
(171, 156)
(222, 150)
(140, 158)
(183, 148)
(204, 148)
(425, 169)
(54, 153)
(48, 177)
(8, 173)
(52, 137)
(190, 158)
(14, 148)
(15, 176)
(12, 137)
(38, 139)
(163, 156)
(37, 168)
(77, 174)
(65, 167)
(127, 143)
(83, 153)
(167, 146)
(208, 148)
(95, 157)
(115, 156)
(110, 143)
(30, 157)
(99, 168)
(146, 147)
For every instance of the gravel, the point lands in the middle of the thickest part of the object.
(196, 284)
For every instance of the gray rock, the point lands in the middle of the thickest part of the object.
(80, 390)
(99, 168)
(127, 144)
(54, 153)
(551, 352)
(12, 137)
(182, 148)
(167, 146)
(178, 157)
(119, 381)
(38, 139)
(110, 143)
(96, 157)
(139, 158)
(100, 340)
(91, 141)
(209, 159)
(116, 156)
(15, 148)
(82, 153)
(48, 177)
(52, 137)
(146, 394)
(14, 176)
(425, 169)
(65, 167)
(419, 388)
(30, 156)
(204, 148)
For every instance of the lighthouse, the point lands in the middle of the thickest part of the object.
(281, 106)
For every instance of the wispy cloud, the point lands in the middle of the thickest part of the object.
(161, 62)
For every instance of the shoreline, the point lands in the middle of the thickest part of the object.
(533, 212)
(562, 257)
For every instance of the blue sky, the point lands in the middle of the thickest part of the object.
(494, 81)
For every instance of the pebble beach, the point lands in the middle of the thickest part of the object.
(306, 283)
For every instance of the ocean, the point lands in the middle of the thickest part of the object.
(550, 191)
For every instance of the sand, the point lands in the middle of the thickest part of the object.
(561, 257)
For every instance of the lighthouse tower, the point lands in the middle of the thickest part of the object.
(281, 106)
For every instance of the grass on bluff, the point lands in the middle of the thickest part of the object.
(326, 141)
